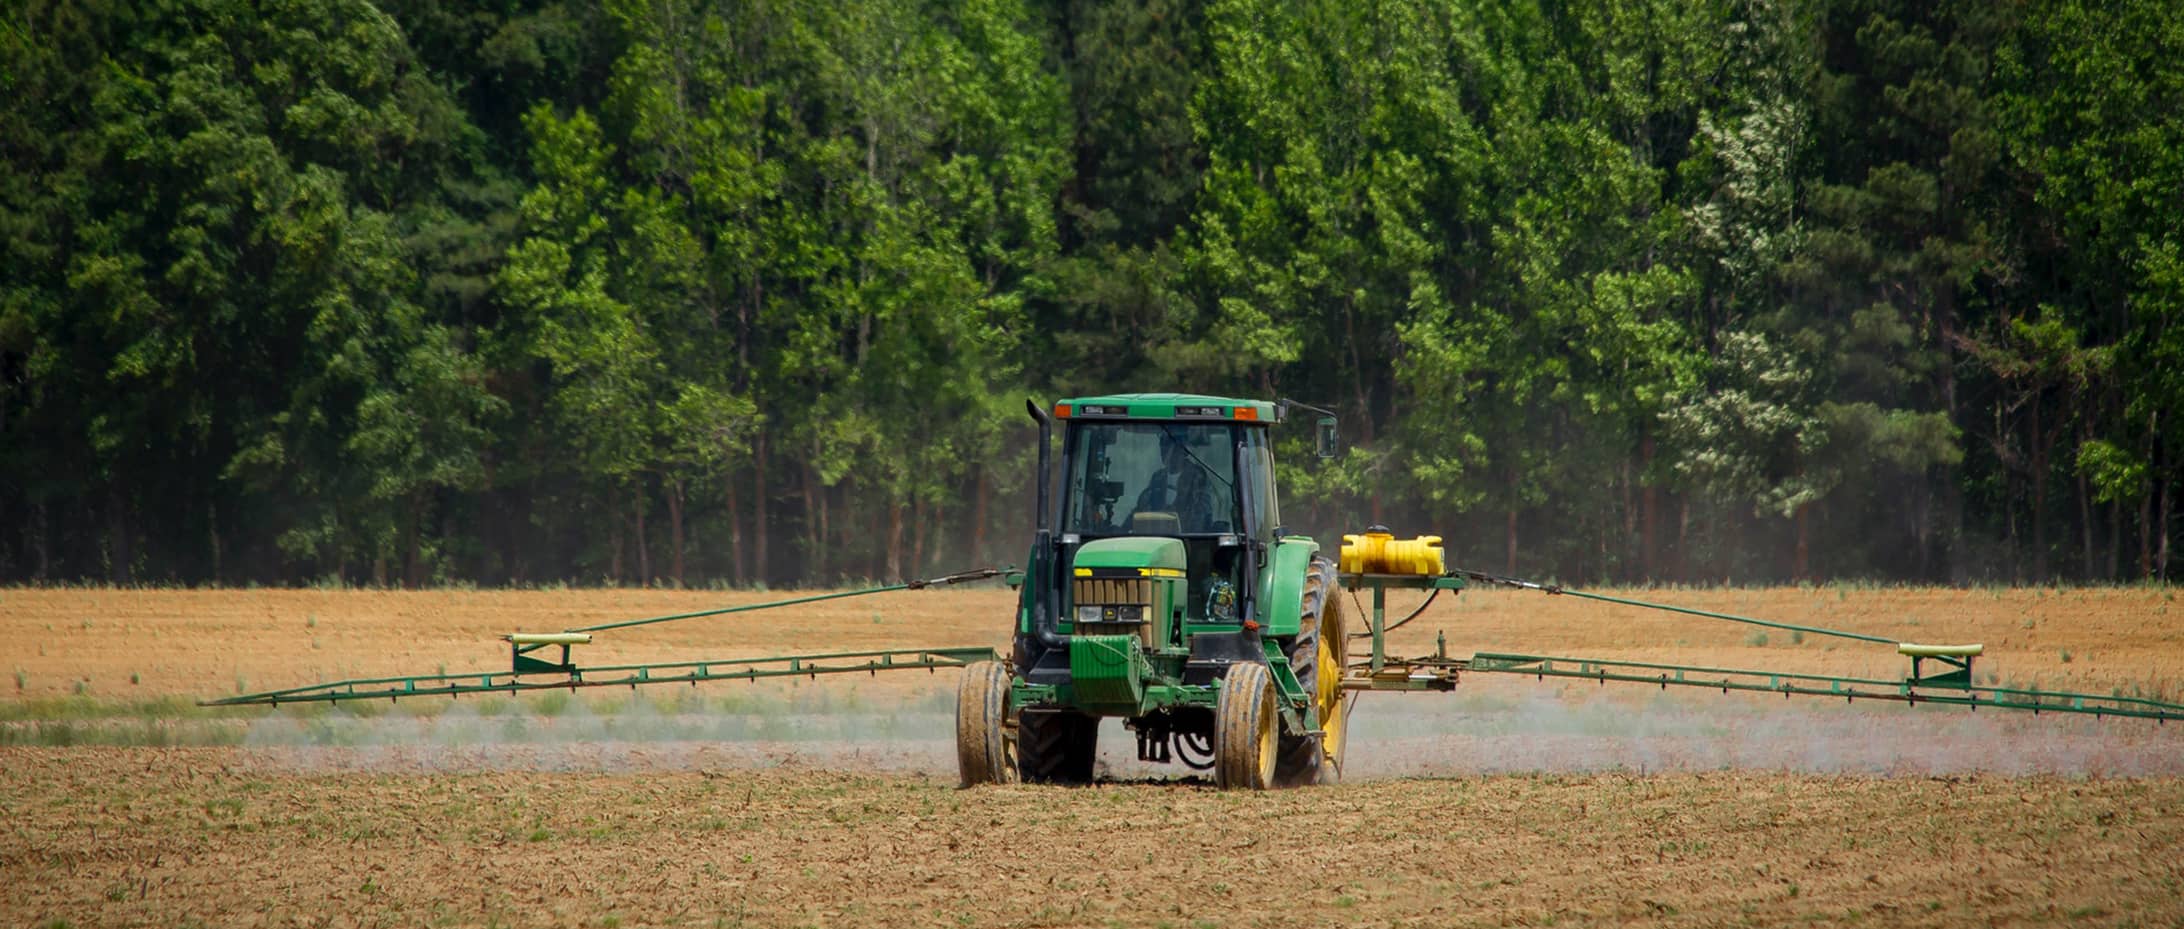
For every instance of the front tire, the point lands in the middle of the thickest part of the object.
(1056, 746)
(1244, 729)
(985, 747)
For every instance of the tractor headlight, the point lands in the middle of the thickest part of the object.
(1088, 614)
(1130, 614)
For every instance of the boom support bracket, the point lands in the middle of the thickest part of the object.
(1955, 659)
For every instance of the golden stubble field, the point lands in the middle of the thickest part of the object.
(1701, 810)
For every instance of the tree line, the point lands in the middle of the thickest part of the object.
(696, 292)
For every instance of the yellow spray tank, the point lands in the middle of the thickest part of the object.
(1377, 551)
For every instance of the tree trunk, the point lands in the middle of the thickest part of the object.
(2146, 535)
(1649, 507)
(1509, 562)
(1364, 398)
(412, 542)
(1630, 525)
(761, 531)
(40, 545)
(1952, 496)
(1601, 552)
(2039, 497)
(978, 515)
(614, 537)
(936, 524)
(894, 542)
(513, 537)
(829, 546)
(1509, 537)
(1801, 560)
(644, 549)
(120, 571)
(2085, 521)
(1683, 539)
(738, 558)
(1922, 526)
(212, 539)
(446, 531)
(2008, 474)
(675, 530)
(2115, 540)
(887, 531)
(814, 521)
(917, 535)
(2146, 504)
(2161, 555)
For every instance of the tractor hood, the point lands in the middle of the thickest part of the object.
(1131, 552)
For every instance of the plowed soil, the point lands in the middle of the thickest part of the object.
(833, 803)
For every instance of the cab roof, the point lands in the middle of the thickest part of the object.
(1189, 407)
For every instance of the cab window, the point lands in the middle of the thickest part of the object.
(1151, 479)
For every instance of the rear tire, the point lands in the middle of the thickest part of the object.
(985, 749)
(1244, 729)
(1056, 746)
(1317, 656)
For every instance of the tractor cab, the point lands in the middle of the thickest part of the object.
(1194, 470)
(1166, 523)
(1154, 478)
(1206, 484)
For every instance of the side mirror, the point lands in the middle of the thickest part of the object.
(1327, 438)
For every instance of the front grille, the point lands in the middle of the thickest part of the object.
(1117, 592)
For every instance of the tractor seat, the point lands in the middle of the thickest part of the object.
(1158, 522)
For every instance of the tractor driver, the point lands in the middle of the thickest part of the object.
(1179, 487)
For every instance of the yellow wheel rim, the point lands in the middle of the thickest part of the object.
(1267, 716)
(1330, 701)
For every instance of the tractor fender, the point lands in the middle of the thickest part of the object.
(1281, 584)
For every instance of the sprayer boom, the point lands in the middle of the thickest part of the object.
(1949, 682)
(528, 671)
(629, 675)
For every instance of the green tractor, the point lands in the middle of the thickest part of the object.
(1165, 591)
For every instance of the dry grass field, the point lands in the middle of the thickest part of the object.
(141, 644)
(832, 803)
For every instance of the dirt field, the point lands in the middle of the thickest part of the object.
(832, 803)
(133, 645)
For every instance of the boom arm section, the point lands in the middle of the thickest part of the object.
(1951, 684)
(631, 675)
(527, 671)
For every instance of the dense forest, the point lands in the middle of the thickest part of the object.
(703, 293)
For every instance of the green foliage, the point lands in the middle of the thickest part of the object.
(1752, 437)
(383, 292)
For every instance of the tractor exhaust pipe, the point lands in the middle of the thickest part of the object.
(1046, 441)
(1045, 613)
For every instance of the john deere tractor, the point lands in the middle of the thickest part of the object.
(1165, 591)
